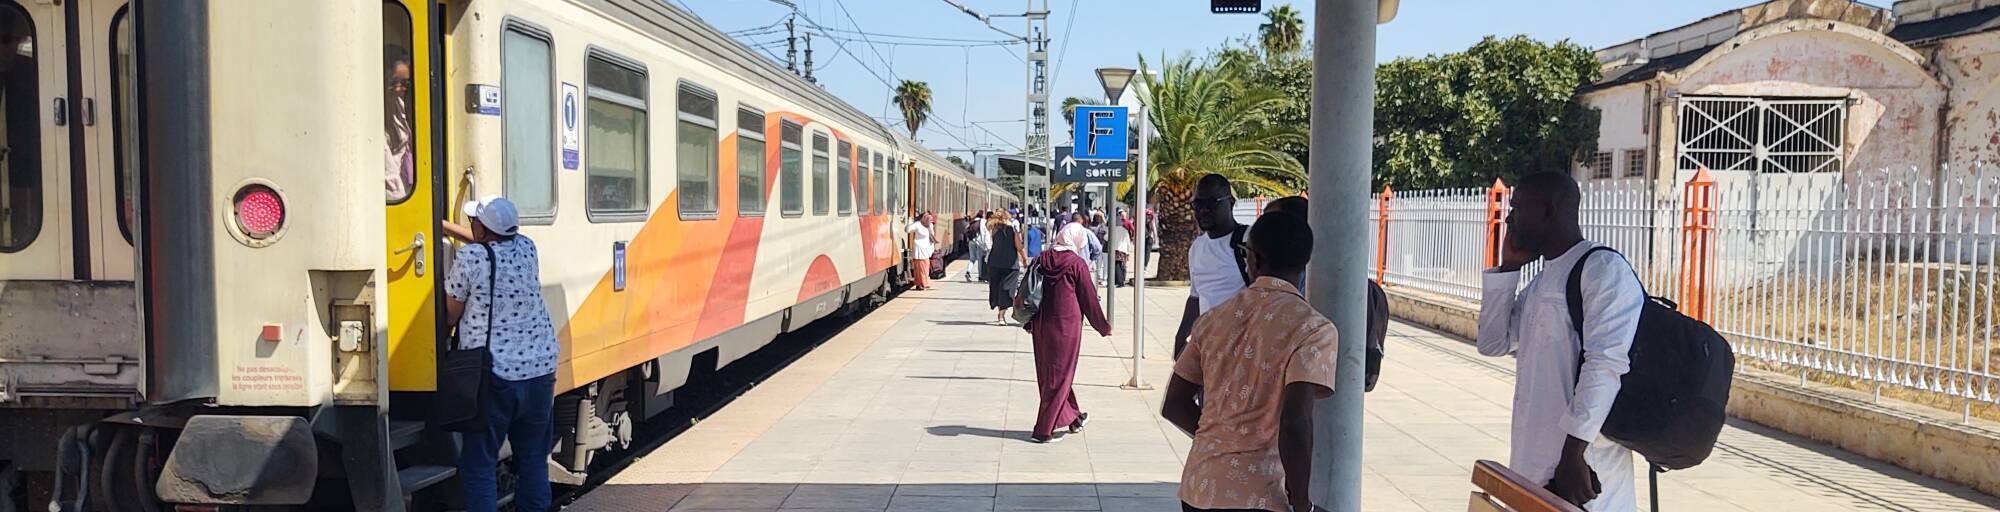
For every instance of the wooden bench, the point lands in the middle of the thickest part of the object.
(1503, 490)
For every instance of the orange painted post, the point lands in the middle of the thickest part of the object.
(1382, 237)
(1697, 245)
(1496, 221)
(1260, 206)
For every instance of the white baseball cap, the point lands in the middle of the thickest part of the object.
(496, 213)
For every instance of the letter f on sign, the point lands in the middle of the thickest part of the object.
(1099, 128)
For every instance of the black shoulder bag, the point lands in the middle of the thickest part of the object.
(460, 402)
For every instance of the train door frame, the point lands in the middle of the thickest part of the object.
(51, 254)
(111, 255)
(413, 239)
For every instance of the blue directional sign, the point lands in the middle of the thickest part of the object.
(1101, 132)
(1070, 169)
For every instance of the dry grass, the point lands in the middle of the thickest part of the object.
(1919, 315)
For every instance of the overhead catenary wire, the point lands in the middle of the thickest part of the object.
(864, 37)
(1062, 55)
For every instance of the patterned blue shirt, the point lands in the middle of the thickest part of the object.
(524, 341)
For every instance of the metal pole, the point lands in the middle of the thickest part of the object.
(1139, 259)
(1110, 220)
(1343, 117)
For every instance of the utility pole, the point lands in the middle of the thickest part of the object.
(791, 47)
(1343, 118)
(1036, 146)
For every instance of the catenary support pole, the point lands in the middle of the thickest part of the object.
(1110, 289)
(1343, 117)
(1138, 264)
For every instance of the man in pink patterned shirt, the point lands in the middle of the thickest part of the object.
(1262, 357)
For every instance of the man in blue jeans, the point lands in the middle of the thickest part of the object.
(495, 298)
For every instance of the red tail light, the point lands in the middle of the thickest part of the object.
(260, 211)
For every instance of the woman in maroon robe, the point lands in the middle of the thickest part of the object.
(1068, 298)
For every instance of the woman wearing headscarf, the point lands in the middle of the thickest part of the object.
(1068, 298)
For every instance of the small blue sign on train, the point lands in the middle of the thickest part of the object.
(618, 266)
(572, 136)
(1100, 132)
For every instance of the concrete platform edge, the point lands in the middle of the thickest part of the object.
(1966, 454)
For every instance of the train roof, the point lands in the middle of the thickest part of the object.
(688, 33)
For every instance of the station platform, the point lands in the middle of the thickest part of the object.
(925, 405)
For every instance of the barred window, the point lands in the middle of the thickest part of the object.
(1635, 163)
(1599, 165)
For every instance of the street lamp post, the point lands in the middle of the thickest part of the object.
(1114, 81)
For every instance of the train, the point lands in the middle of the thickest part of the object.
(220, 251)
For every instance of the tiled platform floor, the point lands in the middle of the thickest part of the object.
(924, 406)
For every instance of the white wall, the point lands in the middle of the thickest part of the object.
(1623, 127)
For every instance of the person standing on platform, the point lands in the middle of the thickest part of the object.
(494, 296)
(1567, 381)
(1121, 248)
(922, 244)
(1003, 264)
(1378, 300)
(1032, 237)
(1217, 267)
(1152, 238)
(1270, 354)
(978, 241)
(1068, 299)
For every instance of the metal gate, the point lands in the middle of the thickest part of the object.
(1762, 135)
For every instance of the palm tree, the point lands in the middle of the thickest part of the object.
(1069, 108)
(1209, 122)
(914, 98)
(1283, 32)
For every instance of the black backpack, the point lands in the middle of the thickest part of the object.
(1670, 405)
(1029, 294)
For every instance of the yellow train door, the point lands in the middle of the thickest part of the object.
(411, 192)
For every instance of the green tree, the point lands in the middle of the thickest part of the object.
(1069, 108)
(960, 162)
(914, 99)
(1283, 32)
(1209, 119)
(1502, 108)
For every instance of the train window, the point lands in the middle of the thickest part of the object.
(528, 164)
(398, 105)
(844, 177)
(895, 188)
(750, 163)
(866, 186)
(791, 168)
(820, 165)
(125, 120)
(695, 155)
(873, 161)
(21, 192)
(615, 143)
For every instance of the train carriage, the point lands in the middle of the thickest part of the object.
(214, 246)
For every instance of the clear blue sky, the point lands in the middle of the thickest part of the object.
(985, 85)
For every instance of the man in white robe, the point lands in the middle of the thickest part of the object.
(1556, 413)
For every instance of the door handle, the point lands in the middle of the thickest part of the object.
(62, 112)
(416, 246)
(89, 112)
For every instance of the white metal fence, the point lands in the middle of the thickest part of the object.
(1883, 277)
